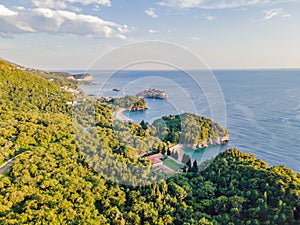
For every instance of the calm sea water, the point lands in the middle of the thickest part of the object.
(262, 107)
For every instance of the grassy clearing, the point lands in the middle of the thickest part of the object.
(172, 164)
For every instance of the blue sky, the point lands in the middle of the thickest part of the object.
(70, 34)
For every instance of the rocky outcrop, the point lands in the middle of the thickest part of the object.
(219, 141)
(83, 77)
(140, 108)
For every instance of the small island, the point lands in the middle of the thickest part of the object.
(153, 93)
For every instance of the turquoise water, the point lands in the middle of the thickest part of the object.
(262, 107)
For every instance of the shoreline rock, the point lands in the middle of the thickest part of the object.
(220, 141)
(138, 109)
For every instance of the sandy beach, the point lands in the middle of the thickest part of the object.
(120, 116)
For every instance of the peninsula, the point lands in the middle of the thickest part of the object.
(131, 103)
(192, 131)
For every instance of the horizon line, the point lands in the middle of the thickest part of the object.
(212, 69)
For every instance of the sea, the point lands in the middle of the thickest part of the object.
(259, 108)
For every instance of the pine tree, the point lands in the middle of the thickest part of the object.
(195, 166)
(189, 163)
(144, 125)
(163, 151)
(168, 152)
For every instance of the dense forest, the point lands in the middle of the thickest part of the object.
(31, 111)
(56, 179)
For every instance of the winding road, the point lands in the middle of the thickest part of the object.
(8, 164)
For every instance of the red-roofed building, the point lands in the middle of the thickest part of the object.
(156, 159)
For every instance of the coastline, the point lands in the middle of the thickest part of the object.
(120, 116)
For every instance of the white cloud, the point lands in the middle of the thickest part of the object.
(19, 8)
(269, 14)
(153, 31)
(286, 15)
(6, 35)
(53, 4)
(195, 38)
(96, 8)
(89, 2)
(151, 12)
(209, 17)
(68, 4)
(6, 12)
(215, 4)
(57, 22)
(23, 27)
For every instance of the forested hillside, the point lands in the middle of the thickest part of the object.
(31, 110)
(54, 183)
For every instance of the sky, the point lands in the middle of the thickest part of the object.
(225, 34)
